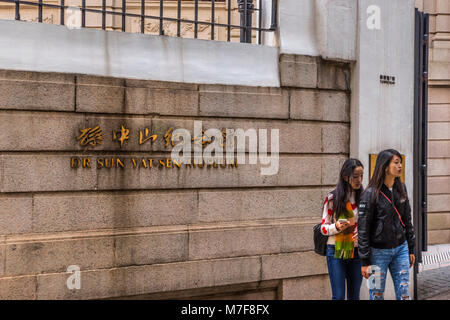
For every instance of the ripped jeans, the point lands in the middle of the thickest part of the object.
(397, 261)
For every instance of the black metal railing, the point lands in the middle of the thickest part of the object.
(246, 9)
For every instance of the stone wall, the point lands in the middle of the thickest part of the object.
(438, 120)
(173, 232)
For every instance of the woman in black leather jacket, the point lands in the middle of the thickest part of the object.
(385, 231)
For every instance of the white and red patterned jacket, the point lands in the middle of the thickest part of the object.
(328, 227)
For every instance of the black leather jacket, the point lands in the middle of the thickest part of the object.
(379, 225)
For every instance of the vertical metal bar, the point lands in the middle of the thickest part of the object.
(420, 137)
(83, 13)
(142, 16)
(124, 11)
(103, 14)
(40, 11)
(161, 13)
(196, 20)
(62, 13)
(178, 18)
(274, 23)
(245, 21)
(229, 21)
(416, 152)
(246, 9)
(213, 2)
(260, 23)
(425, 42)
(241, 20)
(17, 10)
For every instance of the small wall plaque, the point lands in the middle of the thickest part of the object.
(387, 79)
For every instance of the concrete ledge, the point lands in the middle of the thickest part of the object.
(131, 55)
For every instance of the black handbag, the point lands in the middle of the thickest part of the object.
(320, 241)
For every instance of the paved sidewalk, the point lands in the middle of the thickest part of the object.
(437, 256)
(433, 279)
(444, 296)
(432, 283)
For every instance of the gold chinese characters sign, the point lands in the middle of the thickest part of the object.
(93, 136)
(373, 161)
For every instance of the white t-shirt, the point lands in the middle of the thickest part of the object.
(392, 193)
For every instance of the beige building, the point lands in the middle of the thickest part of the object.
(85, 186)
(439, 120)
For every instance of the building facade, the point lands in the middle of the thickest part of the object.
(93, 206)
(439, 121)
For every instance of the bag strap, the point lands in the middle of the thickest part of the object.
(389, 200)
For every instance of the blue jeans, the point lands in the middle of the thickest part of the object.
(397, 261)
(341, 270)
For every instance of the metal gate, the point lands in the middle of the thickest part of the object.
(420, 137)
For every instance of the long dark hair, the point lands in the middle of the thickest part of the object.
(343, 189)
(379, 174)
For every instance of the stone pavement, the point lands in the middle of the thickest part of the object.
(443, 296)
(433, 279)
